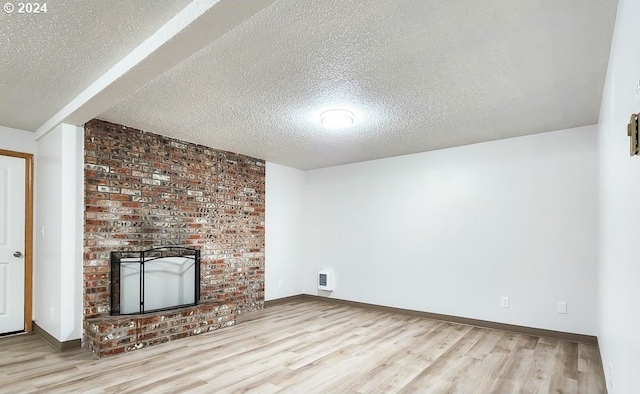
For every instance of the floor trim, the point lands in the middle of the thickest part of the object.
(283, 300)
(60, 346)
(539, 332)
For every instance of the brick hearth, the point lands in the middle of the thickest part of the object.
(109, 335)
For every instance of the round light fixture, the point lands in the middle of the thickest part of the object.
(336, 118)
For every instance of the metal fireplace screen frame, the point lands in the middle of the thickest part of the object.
(144, 257)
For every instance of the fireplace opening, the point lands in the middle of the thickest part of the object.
(154, 280)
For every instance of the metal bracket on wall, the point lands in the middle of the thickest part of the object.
(632, 132)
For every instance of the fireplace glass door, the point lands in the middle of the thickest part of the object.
(153, 280)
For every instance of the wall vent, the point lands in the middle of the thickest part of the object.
(325, 281)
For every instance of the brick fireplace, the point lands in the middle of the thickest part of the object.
(143, 190)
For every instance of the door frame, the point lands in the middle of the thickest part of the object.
(28, 235)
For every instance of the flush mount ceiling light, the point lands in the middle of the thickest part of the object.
(336, 118)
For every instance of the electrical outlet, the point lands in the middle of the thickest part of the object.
(562, 307)
(53, 313)
(504, 302)
(280, 284)
(42, 231)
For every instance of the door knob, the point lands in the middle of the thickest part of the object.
(17, 254)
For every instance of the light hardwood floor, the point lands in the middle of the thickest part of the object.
(315, 347)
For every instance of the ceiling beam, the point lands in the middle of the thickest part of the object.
(196, 26)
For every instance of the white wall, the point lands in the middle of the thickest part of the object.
(451, 231)
(17, 140)
(283, 231)
(46, 278)
(58, 263)
(619, 268)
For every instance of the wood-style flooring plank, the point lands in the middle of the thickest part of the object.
(315, 347)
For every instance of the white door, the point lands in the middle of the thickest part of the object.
(12, 209)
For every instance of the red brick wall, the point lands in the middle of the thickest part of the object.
(144, 190)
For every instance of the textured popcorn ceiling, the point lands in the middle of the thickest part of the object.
(418, 74)
(48, 59)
